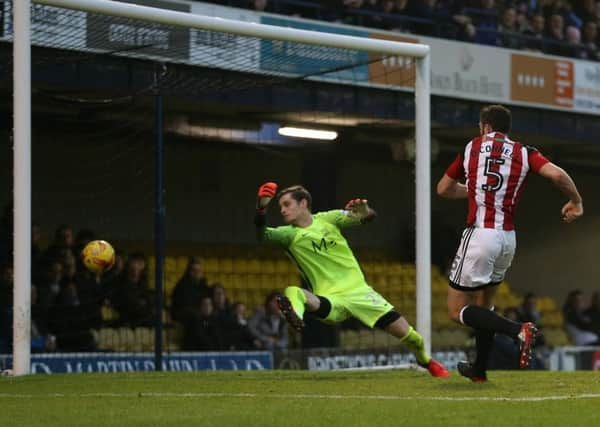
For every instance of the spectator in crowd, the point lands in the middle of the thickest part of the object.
(574, 48)
(509, 33)
(269, 326)
(64, 242)
(590, 41)
(522, 21)
(487, 24)
(535, 33)
(71, 322)
(42, 341)
(556, 36)
(95, 292)
(593, 312)
(69, 267)
(130, 295)
(528, 311)
(578, 324)
(220, 304)
(189, 291)
(49, 286)
(201, 331)
(116, 271)
(465, 29)
(239, 335)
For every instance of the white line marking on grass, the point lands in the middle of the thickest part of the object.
(303, 396)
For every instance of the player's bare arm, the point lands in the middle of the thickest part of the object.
(451, 189)
(359, 208)
(573, 209)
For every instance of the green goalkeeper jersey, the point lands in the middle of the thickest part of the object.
(321, 252)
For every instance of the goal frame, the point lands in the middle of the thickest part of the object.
(22, 138)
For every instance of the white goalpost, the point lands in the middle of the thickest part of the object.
(22, 189)
(22, 136)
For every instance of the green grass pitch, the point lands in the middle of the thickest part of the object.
(300, 398)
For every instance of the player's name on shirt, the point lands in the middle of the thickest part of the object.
(504, 149)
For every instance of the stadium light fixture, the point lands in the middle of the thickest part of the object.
(326, 135)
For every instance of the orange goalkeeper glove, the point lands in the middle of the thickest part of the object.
(265, 193)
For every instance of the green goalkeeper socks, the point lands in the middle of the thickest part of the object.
(414, 342)
(298, 298)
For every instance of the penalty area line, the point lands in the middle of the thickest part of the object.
(301, 396)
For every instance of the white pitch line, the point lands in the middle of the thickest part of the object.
(303, 396)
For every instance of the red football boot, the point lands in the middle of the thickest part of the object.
(527, 339)
(436, 369)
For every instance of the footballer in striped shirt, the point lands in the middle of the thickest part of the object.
(490, 173)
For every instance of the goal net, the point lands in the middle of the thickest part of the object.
(152, 128)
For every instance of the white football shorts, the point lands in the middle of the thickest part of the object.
(482, 258)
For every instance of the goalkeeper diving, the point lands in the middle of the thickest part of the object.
(337, 287)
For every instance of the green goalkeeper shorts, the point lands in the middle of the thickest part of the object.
(364, 303)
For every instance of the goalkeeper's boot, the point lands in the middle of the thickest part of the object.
(526, 339)
(467, 370)
(435, 368)
(288, 312)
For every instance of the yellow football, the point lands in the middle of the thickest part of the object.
(98, 256)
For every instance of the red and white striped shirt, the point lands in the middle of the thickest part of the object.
(495, 169)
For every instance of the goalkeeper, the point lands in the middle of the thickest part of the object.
(337, 286)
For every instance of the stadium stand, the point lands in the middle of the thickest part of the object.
(560, 28)
(249, 280)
